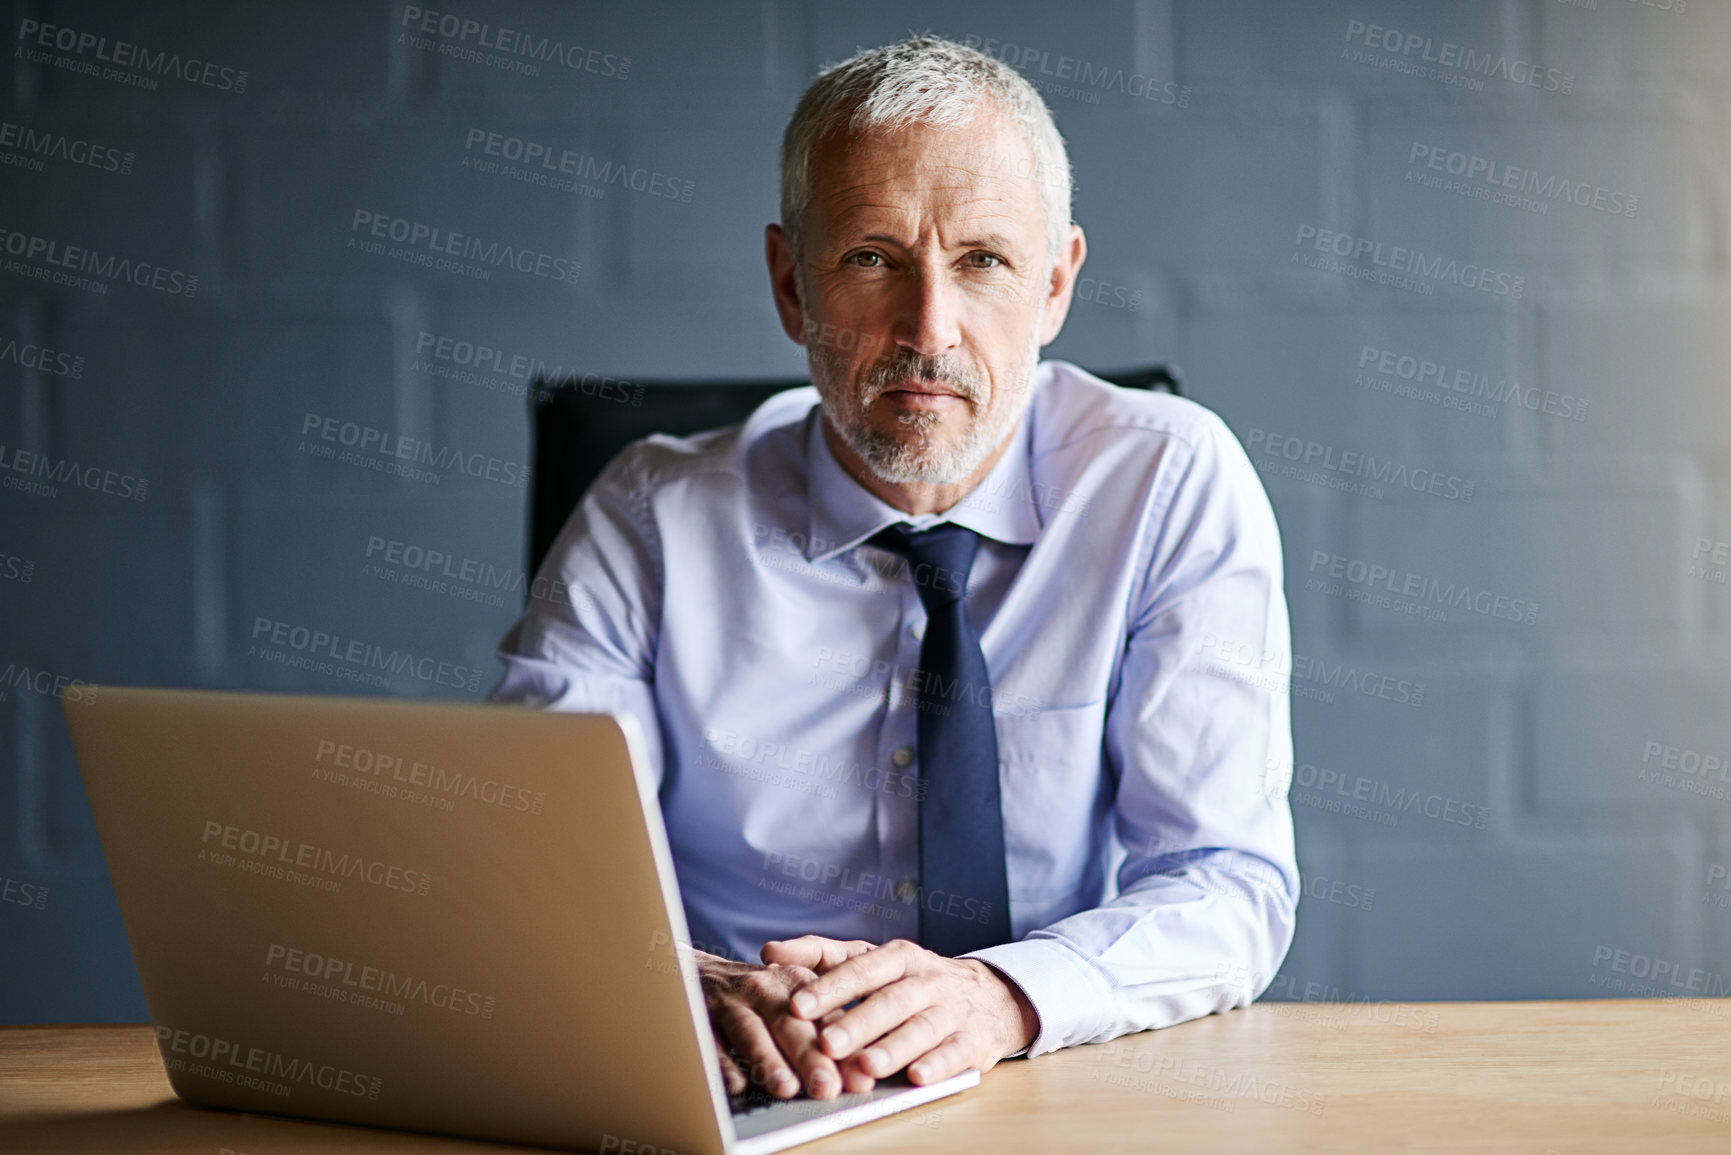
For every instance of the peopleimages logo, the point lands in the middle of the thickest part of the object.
(1717, 566)
(1686, 769)
(1500, 180)
(229, 1062)
(1284, 779)
(37, 37)
(504, 371)
(55, 362)
(325, 652)
(1351, 470)
(50, 260)
(449, 251)
(361, 978)
(758, 758)
(1085, 74)
(546, 165)
(1169, 1074)
(27, 894)
(1453, 63)
(36, 145)
(1373, 583)
(16, 569)
(399, 447)
(1396, 263)
(510, 49)
(1424, 379)
(1657, 975)
(362, 762)
(49, 684)
(1270, 669)
(275, 852)
(41, 475)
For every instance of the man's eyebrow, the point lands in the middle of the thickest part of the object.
(991, 241)
(996, 241)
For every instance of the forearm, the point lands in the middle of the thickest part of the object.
(1173, 948)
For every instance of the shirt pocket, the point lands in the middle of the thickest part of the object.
(1054, 795)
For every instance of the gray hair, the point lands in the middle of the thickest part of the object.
(926, 80)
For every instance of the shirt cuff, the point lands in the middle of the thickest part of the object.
(1070, 997)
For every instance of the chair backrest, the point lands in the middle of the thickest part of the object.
(578, 424)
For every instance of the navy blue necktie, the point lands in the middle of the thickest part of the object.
(964, 889)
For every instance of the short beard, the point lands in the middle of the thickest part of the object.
(917, 456)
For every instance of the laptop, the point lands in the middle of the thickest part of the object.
(455, 918)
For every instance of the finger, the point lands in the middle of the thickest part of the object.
(751, 1037)
(854, 1078)
(882, 1012)
(732, 1077)
(813, 951)
(922, 1032)
(950, 1057)
(859, 976)
(798, 1041)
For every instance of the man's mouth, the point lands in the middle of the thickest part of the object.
(923, 388)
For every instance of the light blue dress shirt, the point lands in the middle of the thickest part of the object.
(1128, 595)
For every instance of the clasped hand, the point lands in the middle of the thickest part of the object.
(788, 1025)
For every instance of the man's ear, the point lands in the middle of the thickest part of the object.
(784, 282)
(1062, 283)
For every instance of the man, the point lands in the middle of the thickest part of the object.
(919, 655)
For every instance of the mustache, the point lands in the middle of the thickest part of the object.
(905, 364)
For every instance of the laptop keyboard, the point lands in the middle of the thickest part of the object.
(753, 1100)
(757, 1113)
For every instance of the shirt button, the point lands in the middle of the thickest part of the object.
(902, 755)
(908, 889)
(918, 629)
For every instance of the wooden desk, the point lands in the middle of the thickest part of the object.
(1602, 1076)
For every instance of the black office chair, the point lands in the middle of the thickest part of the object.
(578, 424)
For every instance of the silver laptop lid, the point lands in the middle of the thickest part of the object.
(452, 918)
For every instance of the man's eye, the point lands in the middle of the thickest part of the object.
(860, 259)
(984, 260)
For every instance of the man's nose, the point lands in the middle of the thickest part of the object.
(928, 323)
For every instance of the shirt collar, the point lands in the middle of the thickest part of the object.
(844, 513)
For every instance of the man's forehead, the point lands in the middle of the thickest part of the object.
(982, 168)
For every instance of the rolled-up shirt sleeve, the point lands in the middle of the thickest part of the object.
(586, 641)
(1198, 737)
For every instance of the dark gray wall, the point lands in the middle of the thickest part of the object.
(1578, 429)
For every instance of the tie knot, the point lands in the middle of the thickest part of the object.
(939, 558)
